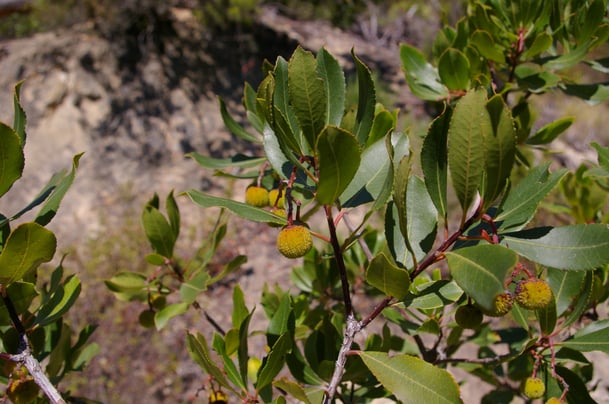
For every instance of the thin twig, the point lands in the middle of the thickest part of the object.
(338, 256)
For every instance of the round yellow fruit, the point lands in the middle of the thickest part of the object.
(257, 196)
(502, 305)
(294, 241)
(468, 316)
(273, 198)
(554, 400)
(533, 294)
(534, 388)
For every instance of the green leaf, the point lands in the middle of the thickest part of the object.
(28, 246)
(338, 155)
(594, 337)
(21, 295)
(285, 122)
(229, 268)
(242, 351)
(540, 44)
(173, 214)
(238, 160)
(500, 149)
(158, 231)
(566, 286)
(568, 59)
(574, 247)
(190, 290)
(421, 219)
(410, 378)
(20, 119)
(240, 311)
(242, 209)
(547, 318)
(373, 180)
(366, 101)
(533, 78)
(422, 78)
(293, 389)
(388, 277)
(60, 302)
(230, 369)
(199, 352)
(331, 73)
(521, 203)
(162, 317)
(434, 295)
(485, 44)
(481, 270)
(307, 94)
(282, 320)
(126, 282)
(551, 131)
(11, 158)
(453, 68)
(233, 126)
(470, 125)
(274, 361)
(603, 155)
(593, 94)
(50, 207)
(434, 160)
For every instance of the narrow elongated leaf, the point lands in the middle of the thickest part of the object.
(547, 317)
(500, 150)
(334, 79)
(411, 378)
(421, 219)
(453, 68)
(575, 247)
(11, 158)
(50, 207)
(126, 282)
(366, 101)
(230, 368)
(173, 214)
(338, 155)
(199, 352)
(388, 277)
(21, 295)
(274, 361)
(593, 94)
(276, 152)
(293, 389)
(158, 231)
(240, 311)
(233, 126)
(238, 160)
(28, 246)
(282, 320)
(603, 155)
(470, 125)
(568, 59)
(521, 203)
(434, 160)
(551, 131)
(422, 78)
(481, 270)
(19, 120)
(594, 337)
(60, 302)
(162, 317)
(566, 286)
(384, 123)
(285, 123)
(243, 351)
(307, 94)
(242, 209)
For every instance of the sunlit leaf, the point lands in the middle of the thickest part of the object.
(11, 158)
(388, 277)
(453, 68)
(334, 79)
(162, 317)
(366, 101)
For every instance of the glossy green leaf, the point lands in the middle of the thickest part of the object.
(282, 320)
(434, 161)
(60, 351)
(28, 246)
(11, 158)
(230, 368)
(46, 191)
(481, 271)
(307, 94)
(531, 77)
(540, 44)
(402, 176)
(574, 247)
(453, 68)
(293, 389)
(366, 103)
(593, 94)
(338, 156)
(410, 378)
(158, 231)
(173, 213)
(578, 391)
(162, 317)
(126, 282)
(569, 59)
(566, 286)
(242, 350)
(485, 44)
(191, 289)
(275, 152)
(240, 311)
(330, 71)
(421, 219)
(434, 295)
(238, 160)
(522, 201)
(470, 125)
(242, 209)
(285, 123)
(60, 302)
(422, 78)
(395, 239)
(388, 277)
(551, 131)
(500, 150)
(373, 180)
(594, 337)
(199, 352)
(233, 126)
(274, 361)
(50, 207)
(384, 123)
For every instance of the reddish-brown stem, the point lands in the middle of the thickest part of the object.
(338, 256)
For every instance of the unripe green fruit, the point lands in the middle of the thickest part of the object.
(502, 305)
(158, 302)
(534, 388)
(554, 400)
(533, 294)
(146, 318)
(273, 194)
(22, 391)
(257, 196)
(468, 316)
(294, 241)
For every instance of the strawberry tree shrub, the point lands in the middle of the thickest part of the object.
(446, 251)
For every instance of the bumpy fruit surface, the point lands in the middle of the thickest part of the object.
(294, 241)
(502, 306)
(534, 388)
(554, 400)
(533, 294)
(273, 194)
(257, 196)
(468, 316)
(22, 391)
